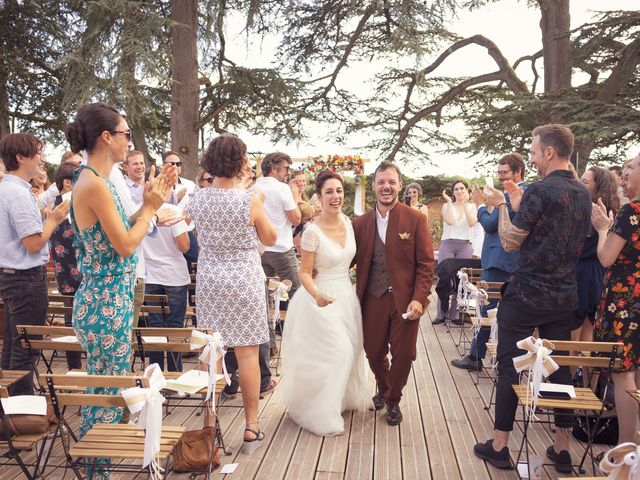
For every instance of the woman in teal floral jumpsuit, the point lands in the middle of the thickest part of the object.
(106, 240)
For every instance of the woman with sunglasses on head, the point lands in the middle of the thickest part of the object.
(106, 241)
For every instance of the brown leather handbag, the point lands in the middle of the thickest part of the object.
(195, 451)
(28, 424)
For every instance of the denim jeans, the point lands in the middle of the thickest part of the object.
(177, 297)
(25, 297)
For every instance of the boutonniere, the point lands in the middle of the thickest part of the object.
(405, 235)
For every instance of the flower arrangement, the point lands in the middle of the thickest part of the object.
(338, 163)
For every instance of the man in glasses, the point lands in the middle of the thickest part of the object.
(281, 206)
(184, 186)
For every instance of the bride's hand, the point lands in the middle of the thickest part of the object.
(321, 301)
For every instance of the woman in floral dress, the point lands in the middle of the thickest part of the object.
(618, 315)
(103, 303)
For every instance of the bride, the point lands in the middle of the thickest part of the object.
(323, 357)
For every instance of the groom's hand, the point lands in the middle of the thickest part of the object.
(414, 310)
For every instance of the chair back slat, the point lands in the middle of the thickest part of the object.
(106, 381)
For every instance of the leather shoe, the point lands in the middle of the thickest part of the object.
(437, 321)
(394, 415)
(468, 363)
(562, 460)
(377, 402)
(500, 459)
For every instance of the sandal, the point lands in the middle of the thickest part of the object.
(248, 446)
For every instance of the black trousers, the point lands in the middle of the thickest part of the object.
(517, 320)
(25, 298)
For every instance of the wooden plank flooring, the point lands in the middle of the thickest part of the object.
(444, 416)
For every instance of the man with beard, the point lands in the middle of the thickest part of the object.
(395, 268)
(549, 231)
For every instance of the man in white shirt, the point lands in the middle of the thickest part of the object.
(184, 186)
(134, 167)
(281, 206)
(167, 274)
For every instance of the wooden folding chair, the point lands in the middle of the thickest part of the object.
(166, 340)
(586, 401)
(110, 441)
(16, 447)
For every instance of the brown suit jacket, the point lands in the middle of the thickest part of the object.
(408, 254)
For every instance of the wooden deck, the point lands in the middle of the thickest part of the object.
(444, 416)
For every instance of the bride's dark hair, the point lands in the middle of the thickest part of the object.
(325, 175)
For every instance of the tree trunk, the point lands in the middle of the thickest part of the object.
(131, 88)
(555, 23)
(184, 87)
(5, 124)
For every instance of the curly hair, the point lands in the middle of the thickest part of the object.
(606, 188)
(225, 156)
(414, 186)
(325, 175)
(272, 160)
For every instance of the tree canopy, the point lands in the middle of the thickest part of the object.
(177, 81)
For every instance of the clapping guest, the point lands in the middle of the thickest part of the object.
(230, 280)
(204, 179)
(618, 314)
(106, 242)
(24, 250)
(601, 184)
(64, 255)
(459, 216)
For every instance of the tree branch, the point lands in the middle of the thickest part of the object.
(620, 74)
(450, 95)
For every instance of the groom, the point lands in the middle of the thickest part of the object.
(394, 275)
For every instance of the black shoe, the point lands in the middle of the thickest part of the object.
(562, 460)
(377, 402)
(499, 459)
(457, 321)
(468, 363)
(394, 415)
(437, 321)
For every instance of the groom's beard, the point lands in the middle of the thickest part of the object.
(391, 201)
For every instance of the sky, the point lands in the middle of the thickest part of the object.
(512, 25)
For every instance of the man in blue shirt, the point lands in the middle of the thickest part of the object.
(497, 265)
(24, 250)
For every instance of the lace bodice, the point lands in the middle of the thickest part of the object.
(332, 260)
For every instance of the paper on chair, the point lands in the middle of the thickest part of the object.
(191, 382)
(25, 405)
(557, 388)
(67, 339)
(154, 339)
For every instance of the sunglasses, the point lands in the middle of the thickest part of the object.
(126, 133)
(208, 180)
(177, 164)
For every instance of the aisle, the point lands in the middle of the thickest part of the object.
(444, 416)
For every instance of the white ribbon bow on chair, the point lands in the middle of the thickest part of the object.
(539, 363)
(622, 462)
(146, 403)
(213, 351)
(280, 294)
(468, 291)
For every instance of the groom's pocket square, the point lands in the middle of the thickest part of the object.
(405, 235)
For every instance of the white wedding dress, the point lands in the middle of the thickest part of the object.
(323, 356)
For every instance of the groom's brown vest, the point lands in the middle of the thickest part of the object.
(378, 282)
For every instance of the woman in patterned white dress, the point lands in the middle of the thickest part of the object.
(230, 280)
(323, 355)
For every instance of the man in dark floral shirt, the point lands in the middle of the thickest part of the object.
(549, 230)
(63, 254)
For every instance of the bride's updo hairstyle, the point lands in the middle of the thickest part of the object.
(325, 175)
(91, 120)
(225, 156)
